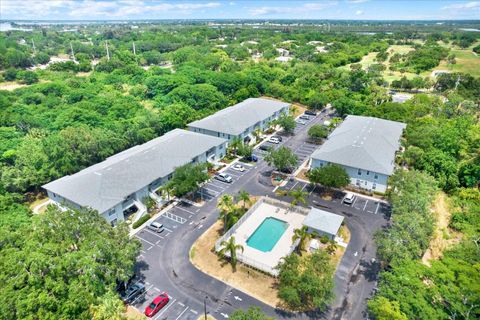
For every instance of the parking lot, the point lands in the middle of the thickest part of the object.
(364, 205)
(213, 188)
(173, 310)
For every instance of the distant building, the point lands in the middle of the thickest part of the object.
(401, 97)
(240, 120)
(365, 147)
(120, 183)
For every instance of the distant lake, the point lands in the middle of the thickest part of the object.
(7, 26)
(470, 29)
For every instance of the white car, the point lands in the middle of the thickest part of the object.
(155, 226)
(349, 198)
(274, 140)
(238, 167)
(299, 121)
(223, 177)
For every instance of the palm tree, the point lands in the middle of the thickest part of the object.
(225, 205)
(298, 196)
(169, 189)
(235, 144)
(245, 197)
(303, 235)
(231, 247)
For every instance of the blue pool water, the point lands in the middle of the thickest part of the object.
(267, 234)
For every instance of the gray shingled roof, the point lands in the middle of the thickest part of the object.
(363, 142)
(108, 183)
(236, 119)
(323, 221)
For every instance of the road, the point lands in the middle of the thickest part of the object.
(164, 262)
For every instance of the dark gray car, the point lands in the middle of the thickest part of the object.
(133, 292)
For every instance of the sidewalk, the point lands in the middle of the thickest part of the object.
(155, 216)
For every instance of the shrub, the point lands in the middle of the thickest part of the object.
(141, 221)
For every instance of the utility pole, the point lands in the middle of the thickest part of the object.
(33, 45)
(108, 54)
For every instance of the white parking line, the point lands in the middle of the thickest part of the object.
(235, 174)
(165, 309)
(304, 186)
(378, 205)
(354, 201)
(141, 295)
(145, 240)
(365, 206)
(215, 192)
(181, 314)
(154, 233)
(193, 311)
(296, 182)
(184, 210)
(181, 304)
(210, 184)
(167, 230)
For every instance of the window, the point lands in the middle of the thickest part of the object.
(218, 134)
(221, 147)
(113, 222)
(374, 186)
(359, 172)
(229, 137)
(365, 182)
(376, 176)
(111, 212)
(368, 172)
(358, 182)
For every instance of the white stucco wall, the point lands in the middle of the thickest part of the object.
(361, 178)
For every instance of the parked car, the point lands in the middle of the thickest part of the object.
(238, 167)
(274, 140)
(264, 147)
(300, 121)
(349, 198)
(157, 304)
(223, 177)
(133, 292)
(155, 226)
(304, 117)
(278, 137)
(252, 157)
(310, 112)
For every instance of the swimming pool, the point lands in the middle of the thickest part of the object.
(267, 234)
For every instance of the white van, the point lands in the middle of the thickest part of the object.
(156, 226)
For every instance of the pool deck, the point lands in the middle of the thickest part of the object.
(282, 248)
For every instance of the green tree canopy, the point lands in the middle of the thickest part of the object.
(283, 159)
(187, 178)
(62, 264)
(331, 175)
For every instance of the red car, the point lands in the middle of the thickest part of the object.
(158, 303)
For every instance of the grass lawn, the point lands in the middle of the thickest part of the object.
(467, 62)
(443, 236)
(255, 283)
(297, 109)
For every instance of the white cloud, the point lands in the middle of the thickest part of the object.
(358, 12)
(86, 9)
(465, 5)
(305, 8)
(357, 1)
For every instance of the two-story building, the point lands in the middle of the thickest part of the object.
(365, 147)
(240, 120)
(123, 180)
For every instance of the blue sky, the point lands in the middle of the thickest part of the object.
(238, 9)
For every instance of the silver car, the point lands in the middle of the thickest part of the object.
(155, 226)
